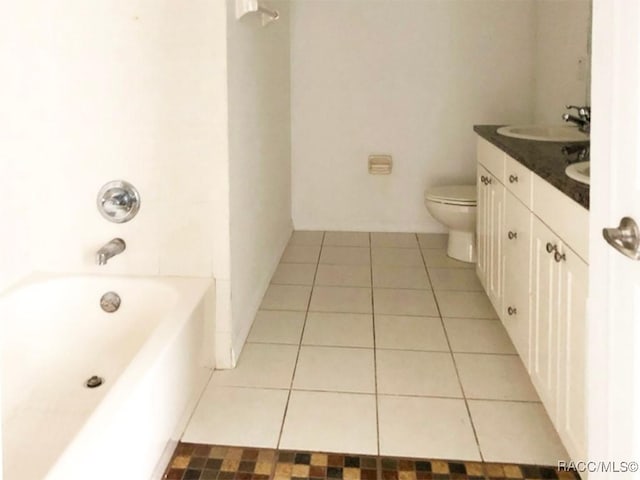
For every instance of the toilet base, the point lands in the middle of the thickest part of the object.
(462, 246)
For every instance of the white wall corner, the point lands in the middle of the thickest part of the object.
(223, 305)
(209, 342)
(225, 359)
(244, 325)
(223, 326)
(259, 167)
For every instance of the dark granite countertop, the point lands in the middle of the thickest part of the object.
(545, 159)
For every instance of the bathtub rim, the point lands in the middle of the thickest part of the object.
(192, 293)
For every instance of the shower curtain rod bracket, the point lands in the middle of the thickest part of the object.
(244, 7)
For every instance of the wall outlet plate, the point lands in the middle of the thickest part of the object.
(380, 164)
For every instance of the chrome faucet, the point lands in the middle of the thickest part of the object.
(110, 249)
(583, 120)
(576, 152)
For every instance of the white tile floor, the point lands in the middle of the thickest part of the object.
(377, 344)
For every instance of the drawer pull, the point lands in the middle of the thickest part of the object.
(551, 247)
(512, 235)
(512, 310)
(559, 257)
(485, 180)
(513, 178)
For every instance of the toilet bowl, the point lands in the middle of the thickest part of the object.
(455, 207)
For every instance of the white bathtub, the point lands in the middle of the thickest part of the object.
(55, 336)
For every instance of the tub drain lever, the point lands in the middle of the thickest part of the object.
(110, 302)
(94, 381)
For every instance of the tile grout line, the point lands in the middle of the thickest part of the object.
(398, 395)
(304, 324)
(455, 365)
(375, 359)
(299, 284)
(397, 349)
(375, 366)
(365, 313)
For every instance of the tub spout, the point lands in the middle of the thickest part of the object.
(110, 249)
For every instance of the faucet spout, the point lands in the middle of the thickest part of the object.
(109, 250)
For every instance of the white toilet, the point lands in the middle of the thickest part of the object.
(455, 207)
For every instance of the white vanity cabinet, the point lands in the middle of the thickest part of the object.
(571, 416)
(482, 225)
(532, 241)
(490, 213)
(559, 280)
(515, 313)
(503, 235)
(545, 315)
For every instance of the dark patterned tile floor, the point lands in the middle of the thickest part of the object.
(211, 462)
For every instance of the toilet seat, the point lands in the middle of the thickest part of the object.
(463, 195)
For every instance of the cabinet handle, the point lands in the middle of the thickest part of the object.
(512, 235)
(559, 257)
(551, 247)
(488, 180)
(513, 178)
(483, 179)
(512, 310)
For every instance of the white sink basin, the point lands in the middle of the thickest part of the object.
(580, 172)
(545, 133)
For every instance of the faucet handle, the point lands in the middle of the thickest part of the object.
(118, 201)
(584, 112)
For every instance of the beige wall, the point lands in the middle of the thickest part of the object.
(194, 108)
(259, 157)
(119, 90)
(407, 78)
(115, 90)
(165, 97)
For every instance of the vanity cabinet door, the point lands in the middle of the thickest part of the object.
(516, 277)
(571, 422)
(558, 317)
(545, 315)
(482, 228)
(495, 212)
(490, 212)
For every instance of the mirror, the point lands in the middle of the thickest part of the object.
(563, 57)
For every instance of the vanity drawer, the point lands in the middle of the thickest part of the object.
(518, 180)
(491, 158)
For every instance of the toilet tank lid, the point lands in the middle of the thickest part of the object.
(453, 193)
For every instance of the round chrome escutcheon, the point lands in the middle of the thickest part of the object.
(118, 201)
